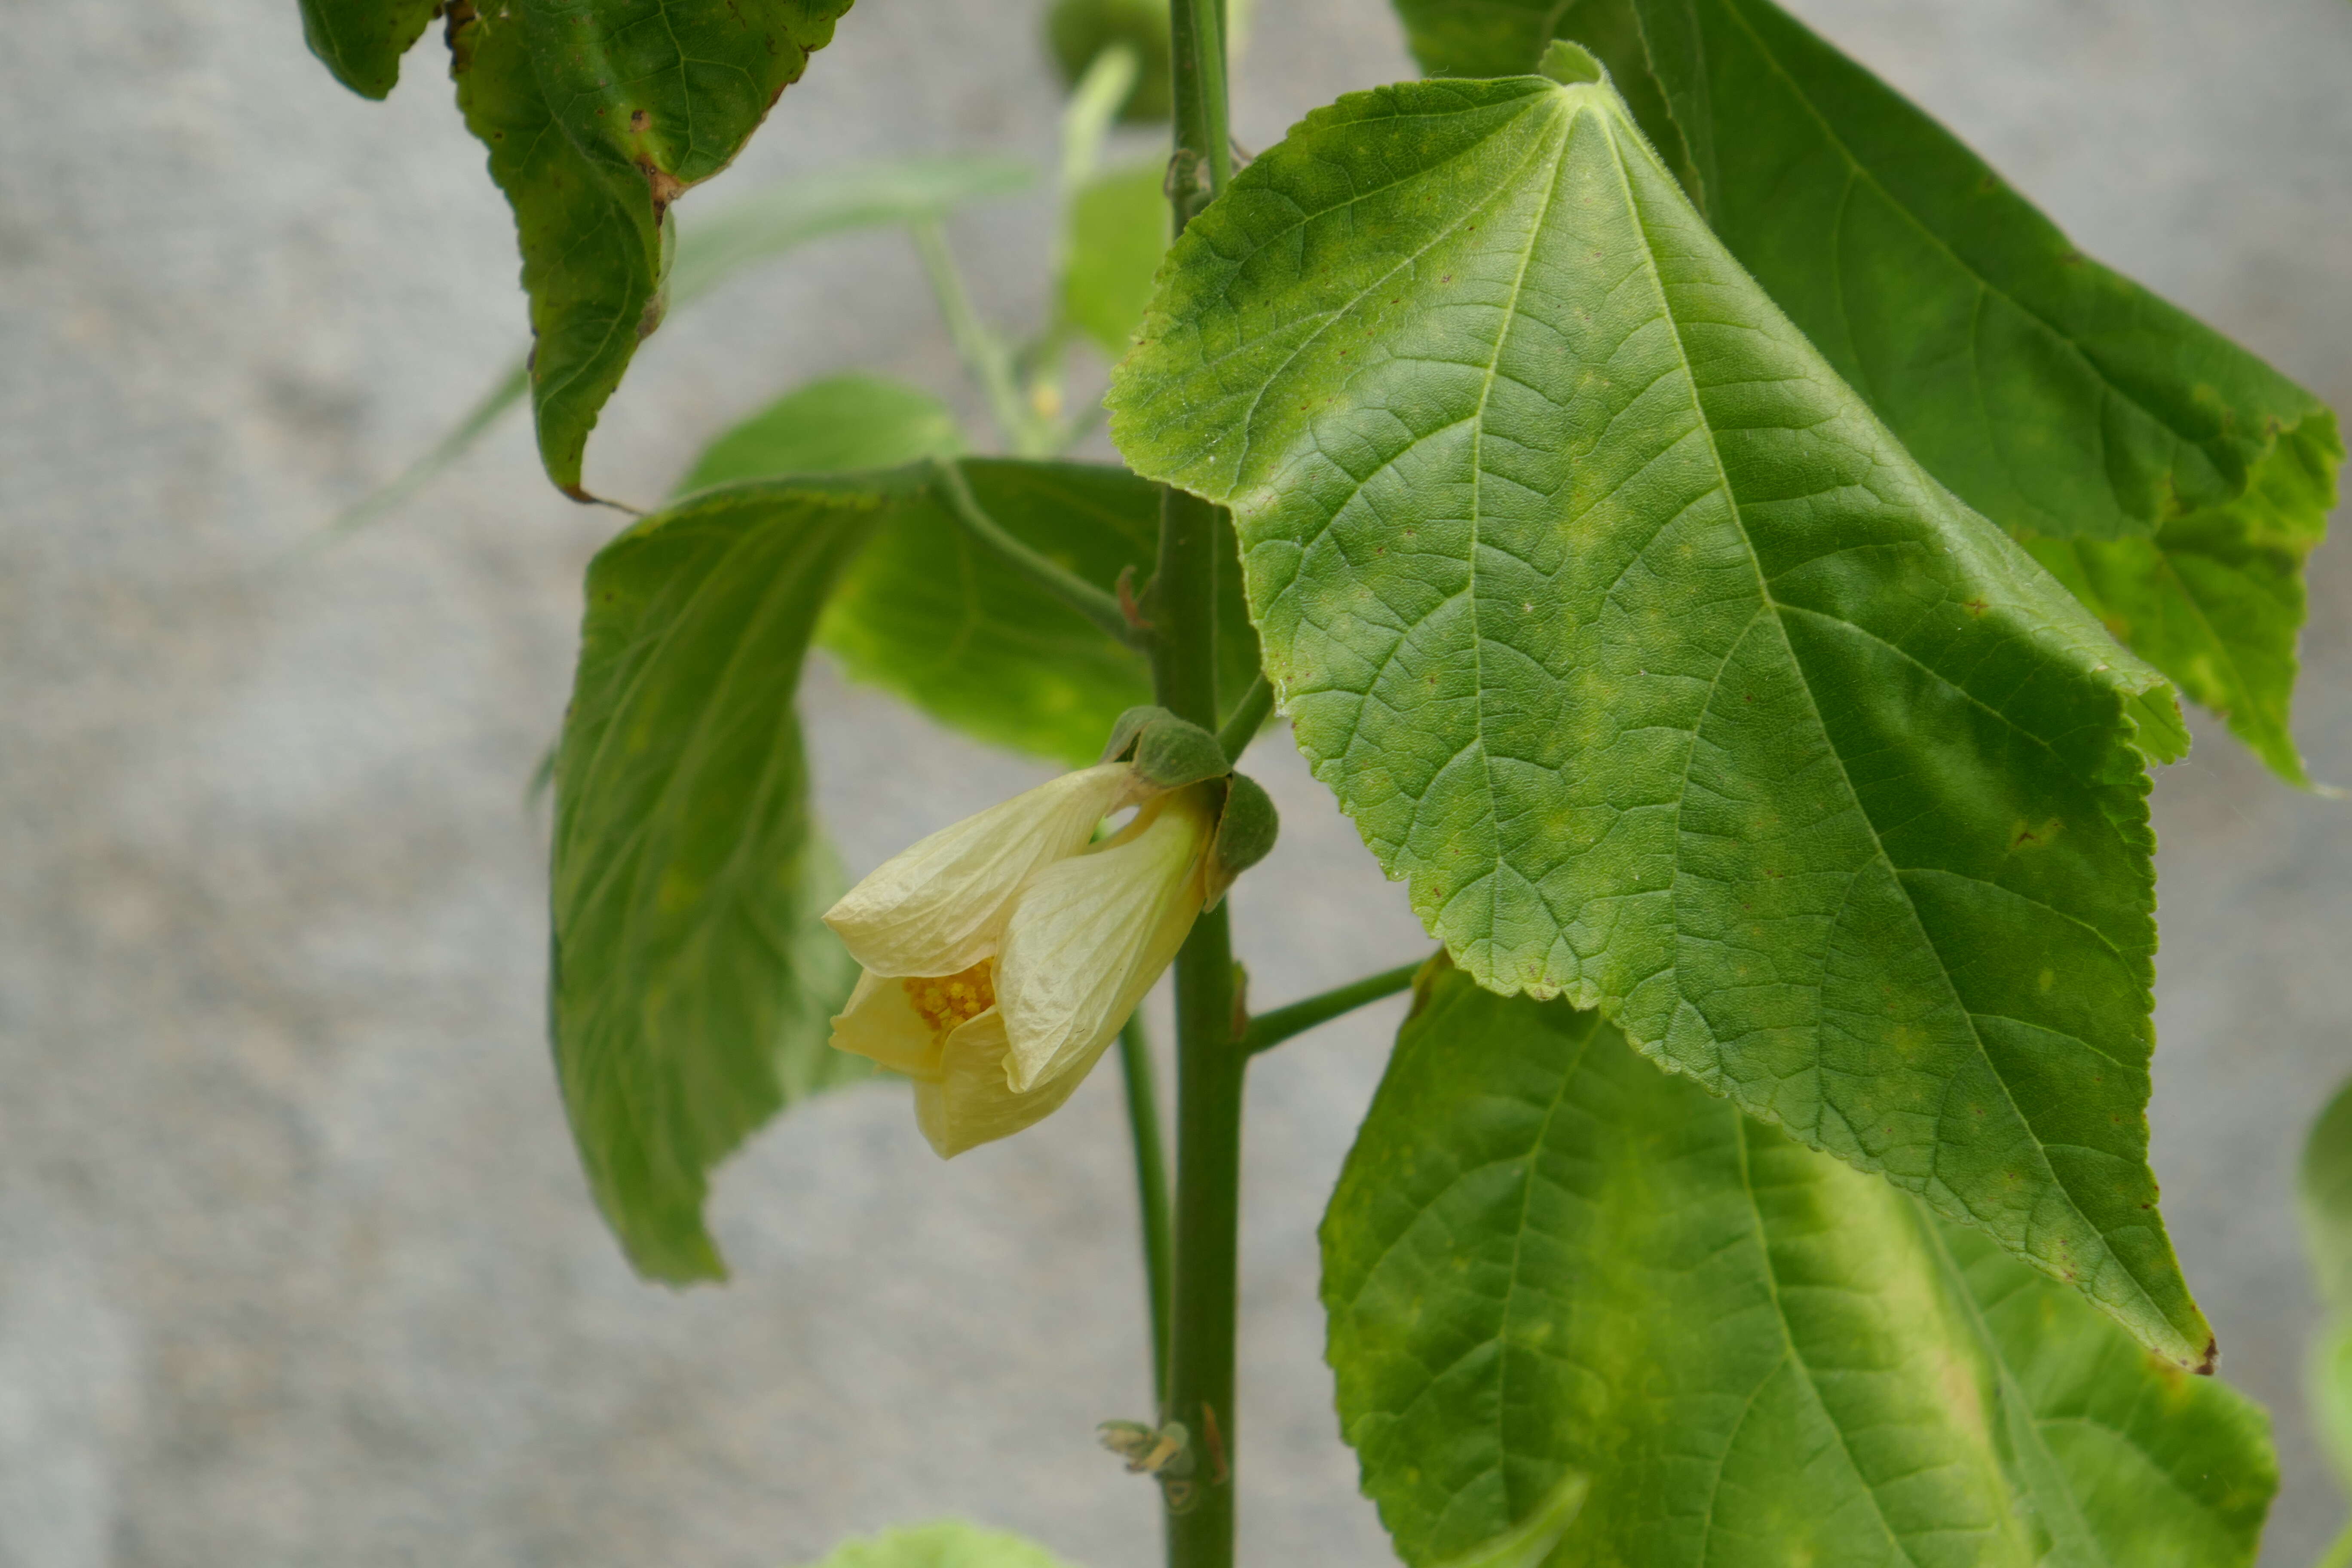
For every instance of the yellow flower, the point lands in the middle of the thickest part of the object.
(1002, 954)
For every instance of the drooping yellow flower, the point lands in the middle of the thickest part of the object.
(1002, 954)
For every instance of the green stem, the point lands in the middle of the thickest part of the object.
(1242, 723)
(1151, 1190)
(1097, 604)
(1209, 1067)
(1204, 157)
(983, 356)
(1270, 1030)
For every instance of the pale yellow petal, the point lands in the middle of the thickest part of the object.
(970, 1103)
(880, 1021)
(1090, 934)
(940, 907)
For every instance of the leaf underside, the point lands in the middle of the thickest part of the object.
(2184, 478)
(360, 41)
(693, 984)
(598, 114)
(1544, 1257)
(934, 618)
(1666, 678)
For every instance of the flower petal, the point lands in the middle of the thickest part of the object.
(940, 905)
(1090, 934)
(879, 1022)
(970, 1103)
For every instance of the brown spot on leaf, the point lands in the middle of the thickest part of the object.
(666, 187)
(638, 119)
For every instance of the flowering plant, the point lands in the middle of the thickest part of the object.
(1737, 564)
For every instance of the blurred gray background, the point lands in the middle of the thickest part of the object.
(296, 1266)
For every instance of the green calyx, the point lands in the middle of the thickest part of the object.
(1168, 751)
(1245, 831)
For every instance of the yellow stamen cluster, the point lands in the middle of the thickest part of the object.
(953, 999)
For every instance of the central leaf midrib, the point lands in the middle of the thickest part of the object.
(1762, 1235)
(1564, 129)
(1956, 1282)
(1634, 214)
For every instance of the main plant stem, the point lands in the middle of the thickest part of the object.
(1209, 1063)
(1208, 1060)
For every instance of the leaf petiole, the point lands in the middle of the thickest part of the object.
(1240, 726)
(1151, 1189)
(1268, 1030)
(1097, 604)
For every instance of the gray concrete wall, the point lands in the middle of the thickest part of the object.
(295, 1263)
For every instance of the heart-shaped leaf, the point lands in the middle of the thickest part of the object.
(1666, 677)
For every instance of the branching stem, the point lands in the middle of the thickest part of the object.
(984, 357)
(1097, 605)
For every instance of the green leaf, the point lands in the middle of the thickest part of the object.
(2327, 1193)
(593, 250)
(1660, 671)
(1545, 1260)
(692, 983)
(1119, 232)
(598, 115)
(671, 89)
(2060, 398)
(360, 41)
(836, 425)
(931, 616)
(759, 228)
(949, 1544)
(2216, 599)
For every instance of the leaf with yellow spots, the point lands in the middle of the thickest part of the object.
(1546, 1261)
(2166, 475)
(598, 114)
(1751, 776)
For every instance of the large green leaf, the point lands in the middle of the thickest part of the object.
(2062, 399)
(1544, 1257)
(598, 114)
(360, 41)
(947, 624)
(692, 983)
(767, 224)
(1670, 682)
(2327, 1235)
(949, 1544)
